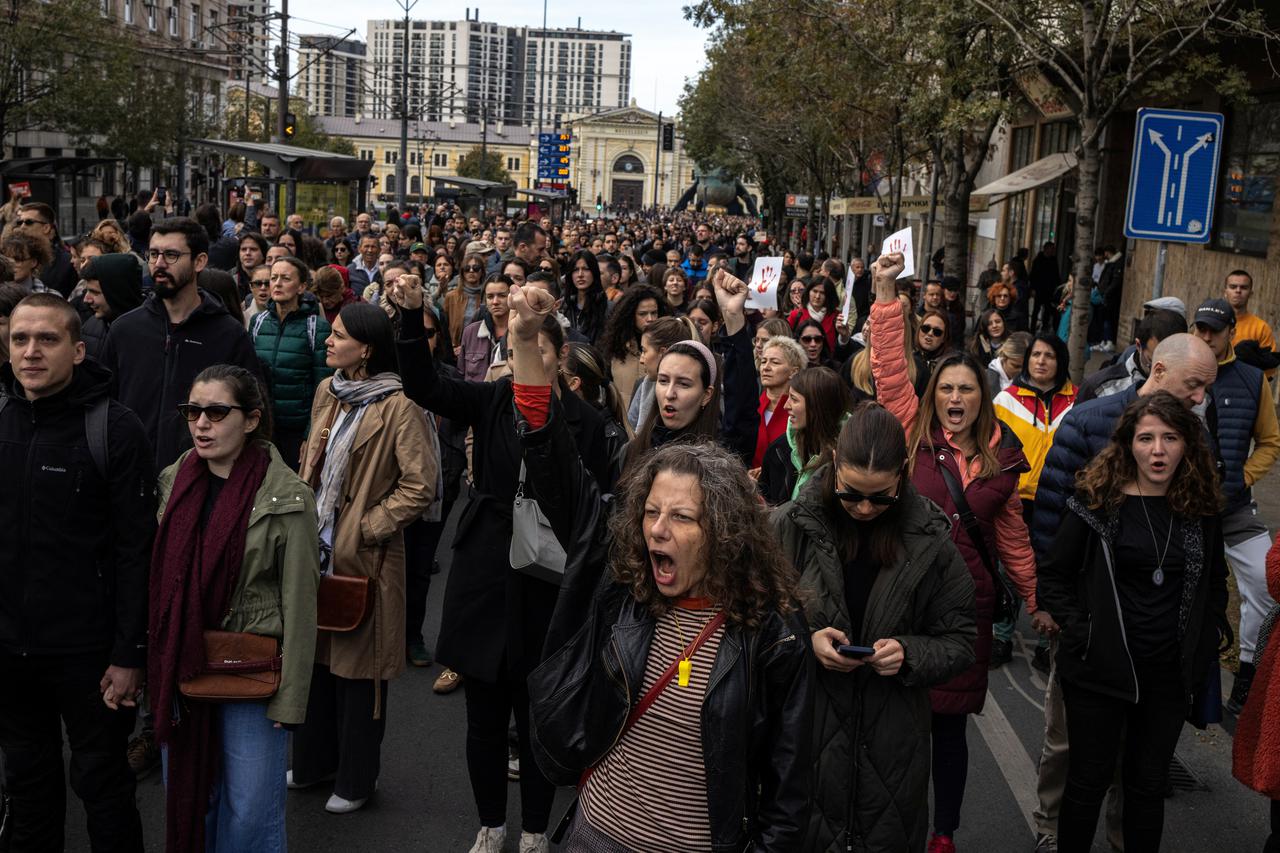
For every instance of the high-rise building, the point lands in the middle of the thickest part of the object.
(471, 70)
(331, 75)
(570, 72)
(249, 40)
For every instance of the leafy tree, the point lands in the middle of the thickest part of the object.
(63, 66)
(1103, 56)
(483, 165)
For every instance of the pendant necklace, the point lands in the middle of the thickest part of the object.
(1157, 577)
(684, 670)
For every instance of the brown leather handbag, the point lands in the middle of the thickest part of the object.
(239, 667)
(343, 602)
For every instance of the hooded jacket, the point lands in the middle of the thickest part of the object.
(120, 277)
(153, 364)
(871, 733)
(76, 553)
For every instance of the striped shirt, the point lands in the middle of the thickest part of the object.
(650, 791)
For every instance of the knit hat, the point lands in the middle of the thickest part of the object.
(120, 277)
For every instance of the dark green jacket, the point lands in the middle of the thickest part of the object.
(292, 356)
(871, 732)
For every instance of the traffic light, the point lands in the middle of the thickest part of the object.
(599, 201)
(668, 137)
(290, 125)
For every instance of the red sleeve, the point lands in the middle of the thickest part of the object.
(534, 402)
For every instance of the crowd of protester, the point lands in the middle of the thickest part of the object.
(738, 575)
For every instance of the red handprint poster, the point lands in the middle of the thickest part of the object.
(762, 290)
(901, 242)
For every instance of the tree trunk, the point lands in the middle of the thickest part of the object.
(1086, 224)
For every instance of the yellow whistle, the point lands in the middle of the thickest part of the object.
(684, 671)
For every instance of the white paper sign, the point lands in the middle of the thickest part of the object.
(762, 290)
(848, 296)
(900, 241)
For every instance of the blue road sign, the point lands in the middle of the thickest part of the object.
(1174, 175)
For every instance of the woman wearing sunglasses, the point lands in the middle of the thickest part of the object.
(463, 303)
(968, 463)
(259, 298)
(236, 551)
(813, 338)
(933, 338)
(889, 605)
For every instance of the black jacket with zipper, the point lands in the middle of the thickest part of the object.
(154, 364)
(76, 552)
(1077, 585)
(756, 712)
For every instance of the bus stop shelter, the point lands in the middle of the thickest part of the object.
(290, 164)
(549, 202)
(476, 188)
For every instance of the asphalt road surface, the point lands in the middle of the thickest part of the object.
(424, 799)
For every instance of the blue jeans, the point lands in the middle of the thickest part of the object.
(246, 806)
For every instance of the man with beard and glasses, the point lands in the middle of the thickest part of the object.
(155, 351)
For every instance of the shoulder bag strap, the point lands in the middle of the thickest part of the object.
(318, 467)
(968, 519)
(652, 694)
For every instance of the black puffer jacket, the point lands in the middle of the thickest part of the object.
(871, 734)
(76, 552)
(756, 712)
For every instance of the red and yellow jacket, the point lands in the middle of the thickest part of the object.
(1024, 410)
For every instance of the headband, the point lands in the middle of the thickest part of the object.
(703, 353)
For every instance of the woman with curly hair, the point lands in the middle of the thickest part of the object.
(1137, 579)
(1004, 299)
(693, 732)
(635, 312)
(111, 232)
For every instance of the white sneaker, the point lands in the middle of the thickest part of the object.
(490, 839)
(339, 805)
(534, 843)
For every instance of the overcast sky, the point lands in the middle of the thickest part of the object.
(665, 48)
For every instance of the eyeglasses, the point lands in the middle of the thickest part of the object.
(811, 339)
(933, 331)
(23, 223)
(473, 268)
(171, 256)
(215, 413)
(260, 282)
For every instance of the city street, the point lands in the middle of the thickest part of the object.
(424, 800)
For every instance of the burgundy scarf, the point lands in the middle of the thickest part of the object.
(193, 575)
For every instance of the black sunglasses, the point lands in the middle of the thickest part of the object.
(811, 339)
(191, 412)
(933, 331)
(473, 268)
(850, 496)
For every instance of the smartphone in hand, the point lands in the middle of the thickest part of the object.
(854, 651)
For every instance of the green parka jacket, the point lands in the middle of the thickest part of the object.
(871, 732)
(293, 358)
(275, 595)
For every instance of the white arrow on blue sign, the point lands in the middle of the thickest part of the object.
(1174, 175)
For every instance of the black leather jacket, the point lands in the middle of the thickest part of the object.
(757, 711)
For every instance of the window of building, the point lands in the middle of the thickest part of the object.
(390, 156)
(366, 153)
(1250, 174)
(151, 17)
(513, 164)
(128, 11)
(193, 24)
(441, 160)
(629, 164)
(415, 185)
(1015, 224)
(105, 8)
(173, 21)
(389, 185)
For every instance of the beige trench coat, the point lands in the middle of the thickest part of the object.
(390, 482)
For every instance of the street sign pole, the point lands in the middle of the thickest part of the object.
(1157, 286)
